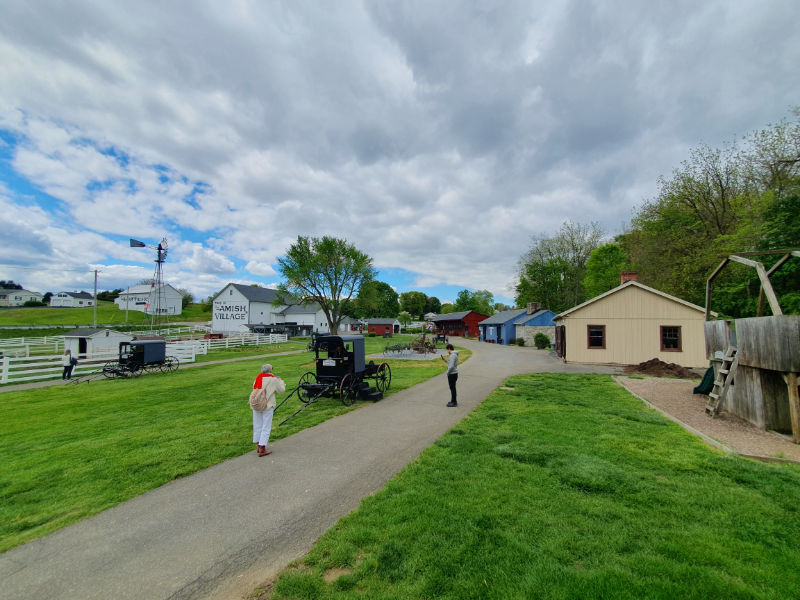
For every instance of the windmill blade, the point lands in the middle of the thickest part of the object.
(137, 243)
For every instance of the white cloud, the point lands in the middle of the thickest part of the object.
(437, 138)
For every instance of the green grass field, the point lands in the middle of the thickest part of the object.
(107, 313)
(566, 487)
(67, 452)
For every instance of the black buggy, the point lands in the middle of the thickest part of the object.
(138, 356)
(341, 371)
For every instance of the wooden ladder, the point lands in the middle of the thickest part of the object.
(723, 381)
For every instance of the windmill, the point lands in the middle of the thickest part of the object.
(157, 306)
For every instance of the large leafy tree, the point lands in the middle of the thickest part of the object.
(413, 303)
(603, 269)
(324, 270)
(433, 305)
(721, 202)
(480, 301)
(553, 269)
(376, 299)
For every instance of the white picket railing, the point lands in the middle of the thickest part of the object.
(37, 368)
(21, 369)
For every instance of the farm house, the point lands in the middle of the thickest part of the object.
(72, 299)
(630, 324)
(524, 323)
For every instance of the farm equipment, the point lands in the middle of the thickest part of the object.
(423, 345)
(341, 372)
(139, 356)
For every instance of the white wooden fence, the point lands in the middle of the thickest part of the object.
(23, 369)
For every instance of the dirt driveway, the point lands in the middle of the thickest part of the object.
(674, 397)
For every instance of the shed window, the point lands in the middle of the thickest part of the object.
(596, 337)
(670, 338)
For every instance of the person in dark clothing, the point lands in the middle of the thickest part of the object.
(452, 372)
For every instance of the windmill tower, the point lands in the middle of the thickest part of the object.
(157, 302)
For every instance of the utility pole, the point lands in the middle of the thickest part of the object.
(95, 299)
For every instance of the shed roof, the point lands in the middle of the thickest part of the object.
(456, 316)
(628, 284)
(504, 316)
(295, 309)
(81, 295)
(379, 321)
(144, 288)
(86, 332)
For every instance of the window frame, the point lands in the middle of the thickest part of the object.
(589, 337)
(661, 329)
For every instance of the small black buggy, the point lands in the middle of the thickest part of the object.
(138, 356)
(341, 371)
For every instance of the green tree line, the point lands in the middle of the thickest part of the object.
(742, 198)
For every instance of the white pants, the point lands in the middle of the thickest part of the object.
(262, 426)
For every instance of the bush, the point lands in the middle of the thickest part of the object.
(520, 341)
(541, 341)
(34, 303)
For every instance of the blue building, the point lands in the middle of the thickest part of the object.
(501, 328)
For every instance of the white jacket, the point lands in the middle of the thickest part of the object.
(271, 387)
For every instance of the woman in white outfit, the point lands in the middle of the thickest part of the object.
(262, 419)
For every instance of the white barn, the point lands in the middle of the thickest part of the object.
(240, 308)
(72, 299)
(145, 298)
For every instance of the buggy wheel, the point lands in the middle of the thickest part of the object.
(347, 391)
(305, 395)
(135, 370)
(170, 364)
(383, 378)
(111, 369)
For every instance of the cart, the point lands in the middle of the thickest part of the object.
(341, 372)
(139, 356)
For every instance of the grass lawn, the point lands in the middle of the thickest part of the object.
(243, 351)
(67, 452)
(566, 487)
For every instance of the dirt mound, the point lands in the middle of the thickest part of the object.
(658, 368)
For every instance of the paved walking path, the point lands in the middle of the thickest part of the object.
(220, 532)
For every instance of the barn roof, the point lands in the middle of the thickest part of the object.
(504, 316)
(456, 316)
(81, 295)
(295, 309)
(255, 294)
(628, 284)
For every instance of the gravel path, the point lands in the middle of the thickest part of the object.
(675, 398)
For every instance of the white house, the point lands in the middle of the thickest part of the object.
(87, 341)
(72, 299)
(147, 299)
(10, 297)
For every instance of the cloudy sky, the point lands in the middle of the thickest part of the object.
(436, 136)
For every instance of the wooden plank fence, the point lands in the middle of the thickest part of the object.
(22, 369)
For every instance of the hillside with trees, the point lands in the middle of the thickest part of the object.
(741, 198)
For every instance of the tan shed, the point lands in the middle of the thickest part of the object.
(631, 324)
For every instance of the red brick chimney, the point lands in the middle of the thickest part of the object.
(628, 276)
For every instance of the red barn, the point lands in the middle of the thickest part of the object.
(460, 323)
(383, 326)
